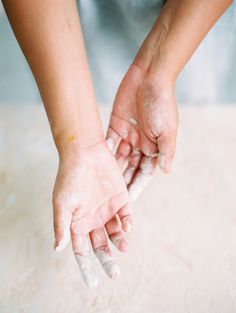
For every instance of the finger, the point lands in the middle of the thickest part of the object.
(122, 155)
(61, 220)
(103, 253)
(134, 161)
(148, 147)
(115, 234)
(118, 130)
(142, 177)
(113, 140)
(84, 258)
(126, 217)
(166, 146)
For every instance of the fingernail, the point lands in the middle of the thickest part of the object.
(59, 246)
(110, 143)
(114, 271)
(127, 224)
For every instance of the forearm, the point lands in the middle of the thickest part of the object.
(49, 34)
(176, 34)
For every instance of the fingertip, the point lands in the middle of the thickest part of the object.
(161, 160)
(115, 273)
(134, 191)
(119, 242)
(123, 245)
(127, 223)
(164, 163)
(113, 140)
(110, 143)
(60, 245)
(90, 280)
(107, 261)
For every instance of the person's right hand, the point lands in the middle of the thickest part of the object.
(89, 191)
(97, 243)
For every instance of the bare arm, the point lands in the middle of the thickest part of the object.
(178, 31)
(145, 105)
(50, 37)
(89, 189)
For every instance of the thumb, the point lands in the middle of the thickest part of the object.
(166, 146)
(62, 221)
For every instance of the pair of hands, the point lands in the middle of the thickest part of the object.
(90, 191)
(90, 197)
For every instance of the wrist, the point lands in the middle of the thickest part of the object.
(70, 144)
(161, 82)
(75, 148)
(157, 71)
(155, 56)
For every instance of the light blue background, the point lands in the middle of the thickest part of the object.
(113, 31)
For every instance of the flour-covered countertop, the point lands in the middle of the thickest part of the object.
(182, 255)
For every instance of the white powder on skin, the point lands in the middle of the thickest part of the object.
(129, 174)
(116, 239)
(133, 121)
(152, 155)
(108, 263)
(141, 180)
(87, 268)
(161, 161)
(65, 240)
(106, 184)
(147, 167)
(135, 151)
(85, 261)
(137, 187)
(110, 143)
(124, 133)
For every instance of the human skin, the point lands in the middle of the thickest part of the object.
(144, 119)
(143, 122)
(89, 191)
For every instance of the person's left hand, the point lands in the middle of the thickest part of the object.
(143, 127)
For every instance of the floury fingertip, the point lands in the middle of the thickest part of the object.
(108, 263)
(110, 143)
(63, 243)
(87, 269)
(161, 161)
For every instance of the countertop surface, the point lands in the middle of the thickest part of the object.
(182, 255)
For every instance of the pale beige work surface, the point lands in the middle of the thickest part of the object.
(182, 256)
